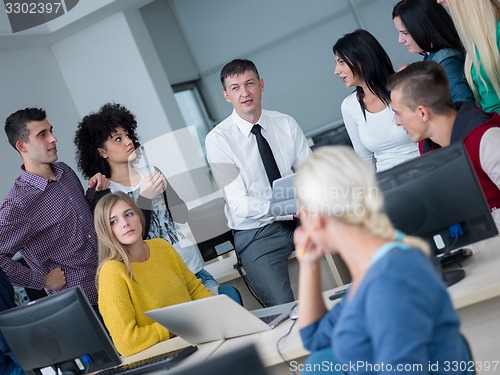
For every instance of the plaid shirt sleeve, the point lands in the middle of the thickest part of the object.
(50, 223)
(14, 231)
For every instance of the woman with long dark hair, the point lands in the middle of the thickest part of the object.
(426, 28)
(361, 62)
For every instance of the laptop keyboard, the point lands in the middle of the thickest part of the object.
(162, 361)
(269, 318)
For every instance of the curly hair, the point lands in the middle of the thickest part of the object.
(94, 130)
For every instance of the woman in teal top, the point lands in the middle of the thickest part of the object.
(488, 98)
(477, 23)
(426, 28)
(397, 317)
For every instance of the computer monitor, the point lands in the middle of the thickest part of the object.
(438, 197)
(60, 331)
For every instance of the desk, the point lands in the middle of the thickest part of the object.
(482, 281)
(266, 342)
(223, 271)
(476, 298)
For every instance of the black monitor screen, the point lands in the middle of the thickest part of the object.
(438, 197)
(57, 330)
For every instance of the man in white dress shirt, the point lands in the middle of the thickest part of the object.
(262, 241)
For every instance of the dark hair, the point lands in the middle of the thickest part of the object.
(429, 24)
(16, 127)
(368, 60)
(236, 67)
(423, 83)
(94, 130)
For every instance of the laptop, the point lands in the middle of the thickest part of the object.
(216, 318)
(283, 200)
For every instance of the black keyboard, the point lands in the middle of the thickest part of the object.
(163, 361)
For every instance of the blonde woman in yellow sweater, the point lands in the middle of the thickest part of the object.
(135, 276)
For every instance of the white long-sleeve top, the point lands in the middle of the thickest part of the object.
(377, 139)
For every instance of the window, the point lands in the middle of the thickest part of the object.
(193, 109)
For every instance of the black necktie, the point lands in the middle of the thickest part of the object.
(272, 171)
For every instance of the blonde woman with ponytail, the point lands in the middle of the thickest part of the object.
(136, 275)
(477, 23)
(397, 310)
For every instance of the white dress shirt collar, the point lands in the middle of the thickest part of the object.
(245, 126)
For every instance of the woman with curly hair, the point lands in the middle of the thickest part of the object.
(106, 141)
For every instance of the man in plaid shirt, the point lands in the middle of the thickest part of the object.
(46, 215)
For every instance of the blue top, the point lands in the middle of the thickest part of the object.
(401, 314)
(452, 62)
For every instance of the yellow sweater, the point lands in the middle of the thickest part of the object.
(160, 281)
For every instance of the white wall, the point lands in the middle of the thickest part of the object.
(112, 60)
(104, 64)
(168, 39)
(31, 78)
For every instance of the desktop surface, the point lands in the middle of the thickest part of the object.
(481, 286)
(483, 279)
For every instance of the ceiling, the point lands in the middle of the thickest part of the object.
(82, 15)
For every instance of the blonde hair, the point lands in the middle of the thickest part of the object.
(109, 247)
(335, 182)
(476, 22)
